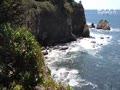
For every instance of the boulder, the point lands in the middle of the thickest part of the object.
(103, 24)
(93, 41)
(92, 25)
(101, 37)
(64, 48)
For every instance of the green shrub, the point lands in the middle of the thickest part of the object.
(21, 60)
(46, 6)
(68, 7)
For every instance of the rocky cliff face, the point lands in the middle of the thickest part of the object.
(53, 28)
(61, 26)
(51, 21)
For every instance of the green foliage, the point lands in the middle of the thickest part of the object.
(77, 5)
(9, 11)
(68, 7)
(46, 6)
(18, 87)
(21, 60)
(51, 85)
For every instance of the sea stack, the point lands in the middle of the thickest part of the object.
(103, 24)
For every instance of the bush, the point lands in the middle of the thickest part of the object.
(68, 7)
(21, 61)
(46, 6)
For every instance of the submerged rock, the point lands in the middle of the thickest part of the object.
(103, 24)
(108, 37)
(93, 41)
(101, 37)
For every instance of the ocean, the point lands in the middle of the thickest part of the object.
(90, 63)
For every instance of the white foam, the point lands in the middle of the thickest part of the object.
(115, 30)
(65, 75)
(72, 76)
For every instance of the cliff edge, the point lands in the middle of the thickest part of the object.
(51, 21)
(64, 23)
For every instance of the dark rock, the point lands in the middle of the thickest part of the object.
(56, 47)
(101, 37)
(103, 24)
(52, 28)
(79, 27)
(81, 38)
(46, 57)
(108, 37)
(86, 32)
(65, 74)
(42, 48)
(92, 25)
(51, 21)
(93, 41)
(92, 37)
(63, 48)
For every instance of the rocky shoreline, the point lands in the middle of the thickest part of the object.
(65, 53)
(64, 47)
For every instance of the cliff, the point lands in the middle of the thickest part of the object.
(51, 21)
(64, 23)
(22, 65)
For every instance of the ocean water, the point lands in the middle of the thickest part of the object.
(90, 63)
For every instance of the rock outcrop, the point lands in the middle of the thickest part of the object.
(61, 25)
(103, 24)
(92, 25)
(51, 21)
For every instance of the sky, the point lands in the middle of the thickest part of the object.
(100, 4)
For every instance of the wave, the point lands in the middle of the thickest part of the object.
(62, 73)
(115, 30)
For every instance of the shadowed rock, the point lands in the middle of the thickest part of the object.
(92, 25)
(86, 32)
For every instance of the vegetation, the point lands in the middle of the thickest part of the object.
(18, 12)
(21, 62)
(21, 58)
(22, 65)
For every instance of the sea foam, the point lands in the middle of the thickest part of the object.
(72, 76)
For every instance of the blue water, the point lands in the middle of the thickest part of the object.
(104, 71)
(86, 67)
(94, 17)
